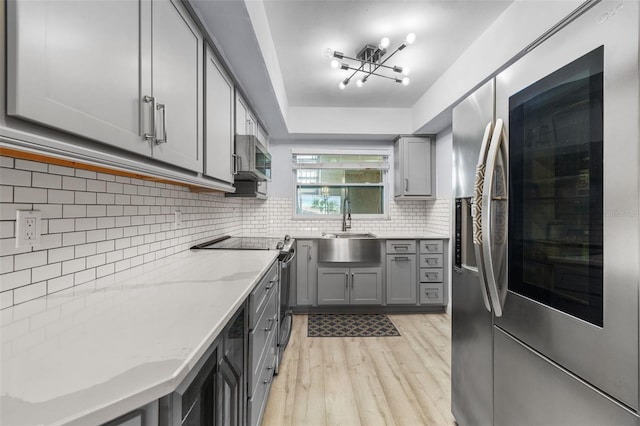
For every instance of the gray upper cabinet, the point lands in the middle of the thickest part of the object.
(245, 123)
(177, 85)
(414, 167)
(76, 66)
(110, 71)
(219, 121)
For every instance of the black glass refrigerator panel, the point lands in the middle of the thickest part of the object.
(555, 189)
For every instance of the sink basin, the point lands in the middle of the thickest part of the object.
(348, 235)
(349, 248)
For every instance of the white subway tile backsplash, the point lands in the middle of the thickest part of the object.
(106, 177)
(96, 211)
(60, 283)
(74, 265)
(96, 235)
(86, 174)
(97, 260)
(6, 299)
(50, 241)
(104, 246)
(83, 250)
(104, 198)
(114, 210)
(61, 225)
(7, 228)
(85, 197)
(74, 183)
(96, 185)
(74, 238)
(85, 224)
(49, 211)
(60, 197)
(29, 260)
(30, 165)
(114, 187)
(84, 276)
(15, 177)
(6, 264)
(29, 292)
(43, 273)
(6, 162)
(46, 180)
(6, 194)
(74, 210)
(60, 254)
(61, 170)
(108, 269)
(16, 279)
(113, 233)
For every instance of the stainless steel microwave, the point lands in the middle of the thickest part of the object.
(252, 161)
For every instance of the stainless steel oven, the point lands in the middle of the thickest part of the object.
(287, 253)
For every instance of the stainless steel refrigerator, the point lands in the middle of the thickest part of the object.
(548, 235)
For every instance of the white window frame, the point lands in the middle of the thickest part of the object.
(386, 184)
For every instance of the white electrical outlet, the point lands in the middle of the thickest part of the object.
(28, 228)
(177, 220)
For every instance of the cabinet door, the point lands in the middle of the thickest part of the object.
(401, 279)
(333, 286)
(417, 166)
(219, 121)
(366, 286)
(242, 116)
(307, 273)
(81, 67)
(177, 85)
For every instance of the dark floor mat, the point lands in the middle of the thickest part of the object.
(350, 325)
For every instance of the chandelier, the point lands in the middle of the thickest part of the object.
(371, 60)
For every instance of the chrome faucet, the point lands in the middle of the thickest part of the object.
(346, 214)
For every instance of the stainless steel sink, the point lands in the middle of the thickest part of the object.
(347, 235)
(346, 247)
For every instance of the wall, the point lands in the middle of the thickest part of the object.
(95, 224)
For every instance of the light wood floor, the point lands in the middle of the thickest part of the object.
(366, 381)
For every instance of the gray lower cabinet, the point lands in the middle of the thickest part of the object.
(355, 286)
(306, 273)
(401, 279)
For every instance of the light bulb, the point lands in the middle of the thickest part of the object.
(342, 85)
(406, 70)
(411, 37)
(405, 81)
(335, 64)
(359, 83)
(384, 43)
(328, 52)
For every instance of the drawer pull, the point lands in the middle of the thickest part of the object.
(432, 261)
(431, 247)
(403, 247)
(432, 276)
(398, 259)
(432, 294)
(271, 322)
(271, 284)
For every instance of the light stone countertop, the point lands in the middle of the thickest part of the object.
(97, 351)
(311, 235)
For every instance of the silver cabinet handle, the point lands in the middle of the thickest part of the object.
(234, 159)
(272, 321)
(352, 278)
(162, 107)
(346, 277)
(406, 184)
(403, 259)
(403, 247)
(271, 284)
(152, 101)
(432, 294)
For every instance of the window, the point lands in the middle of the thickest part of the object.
(324, 181)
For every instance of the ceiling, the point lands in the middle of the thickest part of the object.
(302, 29)
(275, 50)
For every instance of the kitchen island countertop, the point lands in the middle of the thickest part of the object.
(89, 354)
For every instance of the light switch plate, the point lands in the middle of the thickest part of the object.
(28, 228)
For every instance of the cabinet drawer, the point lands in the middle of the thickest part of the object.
(431, 246)
(258, 400)
(401, 246)
(431, 261)
(264, 363)
(260, 295)
(431, 294)
(260, 336)
(431, 275)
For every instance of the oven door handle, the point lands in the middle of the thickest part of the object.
(289, 258)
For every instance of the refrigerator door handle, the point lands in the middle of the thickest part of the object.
(497, 291)
(476, 213)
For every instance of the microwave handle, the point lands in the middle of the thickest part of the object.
(234, 160)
